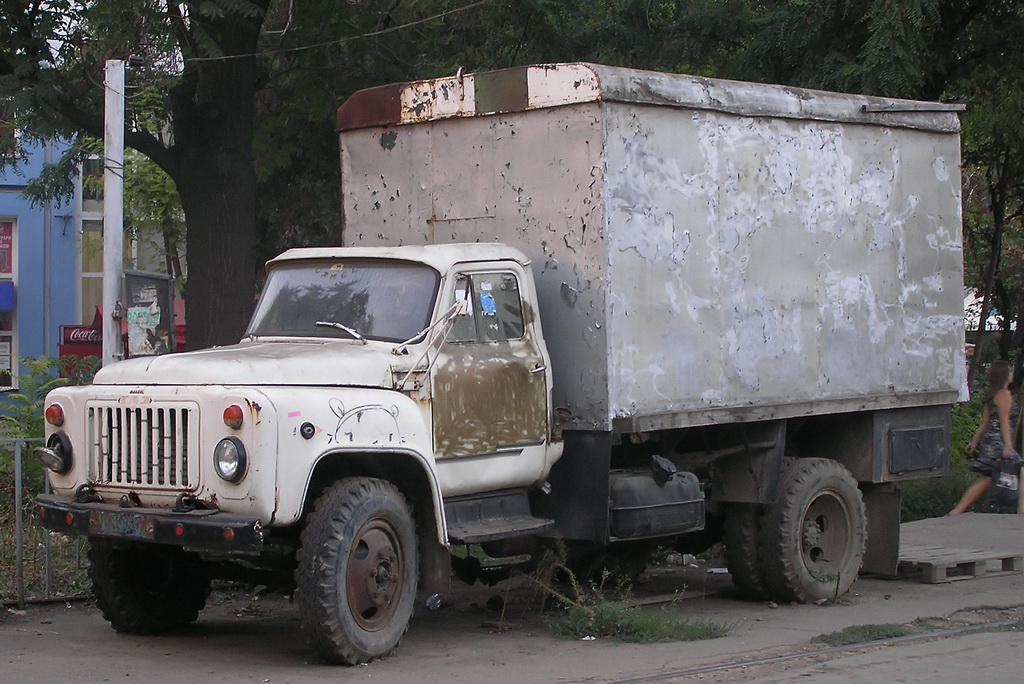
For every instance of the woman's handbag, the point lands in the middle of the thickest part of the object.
(1006, 482)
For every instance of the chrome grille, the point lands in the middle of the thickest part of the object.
(147, 446)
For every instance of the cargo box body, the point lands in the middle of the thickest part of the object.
(705, 251)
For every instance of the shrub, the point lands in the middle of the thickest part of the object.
(52, 563)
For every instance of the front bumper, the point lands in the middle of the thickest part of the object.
(195, 530)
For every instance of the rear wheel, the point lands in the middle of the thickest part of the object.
(357, 571)
(811, 540)
(147, 589)
(742, 523)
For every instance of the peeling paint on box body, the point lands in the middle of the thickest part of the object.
(785, 261)
(695, 265)
(508, 169)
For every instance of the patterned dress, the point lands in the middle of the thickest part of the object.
(990, 448)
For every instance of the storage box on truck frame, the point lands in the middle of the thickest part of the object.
(705, 250)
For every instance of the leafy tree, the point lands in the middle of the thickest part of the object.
(994, 241)
(235, 102)
(153, 210)
(900, 49)
(385, 42)
(201, 56)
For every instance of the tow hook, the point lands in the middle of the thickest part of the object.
(186, 502)
(86, 494)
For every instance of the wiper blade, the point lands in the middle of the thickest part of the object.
(341, 326)
(458, 308)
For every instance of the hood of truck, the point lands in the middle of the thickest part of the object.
(261, 363)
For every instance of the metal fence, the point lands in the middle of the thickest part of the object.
(46, 566)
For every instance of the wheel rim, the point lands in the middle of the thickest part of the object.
(375, 576)
(825, 535)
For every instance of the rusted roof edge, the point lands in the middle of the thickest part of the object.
(553, 85)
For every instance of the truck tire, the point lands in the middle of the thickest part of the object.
(811, 542)
(357, 571)
(742, 524)
(147, 589)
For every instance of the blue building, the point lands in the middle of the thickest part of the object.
(41, 275)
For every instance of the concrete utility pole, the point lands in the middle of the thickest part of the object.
(113, 208)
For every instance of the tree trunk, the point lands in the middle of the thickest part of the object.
(220, 240)
(997, 199)
(213, 167)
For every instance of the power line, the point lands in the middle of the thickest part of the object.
(391, 29)
(347, 39)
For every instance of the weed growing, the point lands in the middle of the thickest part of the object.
(587, 612)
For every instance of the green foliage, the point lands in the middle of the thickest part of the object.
(21, 412)
(632, 624)
(79, 371)
(21, 415)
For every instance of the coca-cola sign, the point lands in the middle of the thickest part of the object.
(81, 334)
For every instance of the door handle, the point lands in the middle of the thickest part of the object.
(539, 368)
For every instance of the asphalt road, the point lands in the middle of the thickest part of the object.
(243, 638)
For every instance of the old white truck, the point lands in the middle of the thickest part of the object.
(576, 302)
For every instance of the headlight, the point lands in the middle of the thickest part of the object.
(56, 455)
(229, 459)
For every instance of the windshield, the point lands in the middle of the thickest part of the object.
(381, 300)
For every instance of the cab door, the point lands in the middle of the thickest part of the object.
(490, 387)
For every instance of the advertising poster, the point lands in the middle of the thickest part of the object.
(6, 377)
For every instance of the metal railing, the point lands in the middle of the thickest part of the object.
(41, 563)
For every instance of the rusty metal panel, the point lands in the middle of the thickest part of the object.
(501, 91)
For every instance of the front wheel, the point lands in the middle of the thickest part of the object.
(147, 589)
(357, 571)
(811, 540)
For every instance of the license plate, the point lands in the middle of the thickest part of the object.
(117, 524)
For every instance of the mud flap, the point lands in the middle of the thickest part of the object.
(882, 553)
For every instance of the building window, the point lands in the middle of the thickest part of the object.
(92, 269)
(8, 341)
(92, 179)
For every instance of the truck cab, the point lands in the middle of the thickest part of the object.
(423, 366)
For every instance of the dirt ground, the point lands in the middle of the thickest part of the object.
(498, 634)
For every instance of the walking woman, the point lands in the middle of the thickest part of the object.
(994, 438)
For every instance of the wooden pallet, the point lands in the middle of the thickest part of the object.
(935, 564)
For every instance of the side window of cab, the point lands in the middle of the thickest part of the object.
(493, 310)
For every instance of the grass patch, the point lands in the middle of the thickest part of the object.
(972, 619)
(859, 634)
(586, 611)
(606, 619)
